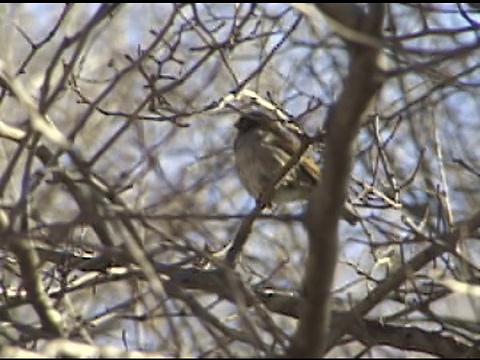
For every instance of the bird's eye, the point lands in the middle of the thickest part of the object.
(245, 124)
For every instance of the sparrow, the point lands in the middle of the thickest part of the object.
(263, 146)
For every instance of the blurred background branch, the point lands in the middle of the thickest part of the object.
(119, 198)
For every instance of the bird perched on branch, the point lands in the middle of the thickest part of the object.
(263, 146)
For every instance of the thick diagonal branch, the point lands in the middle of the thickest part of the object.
(326, 204)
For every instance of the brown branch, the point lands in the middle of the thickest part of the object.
(342, 124)
(368, 331)
(29, 263)
(71, 349)
(448, 241)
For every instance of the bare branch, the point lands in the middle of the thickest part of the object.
(342, 124)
